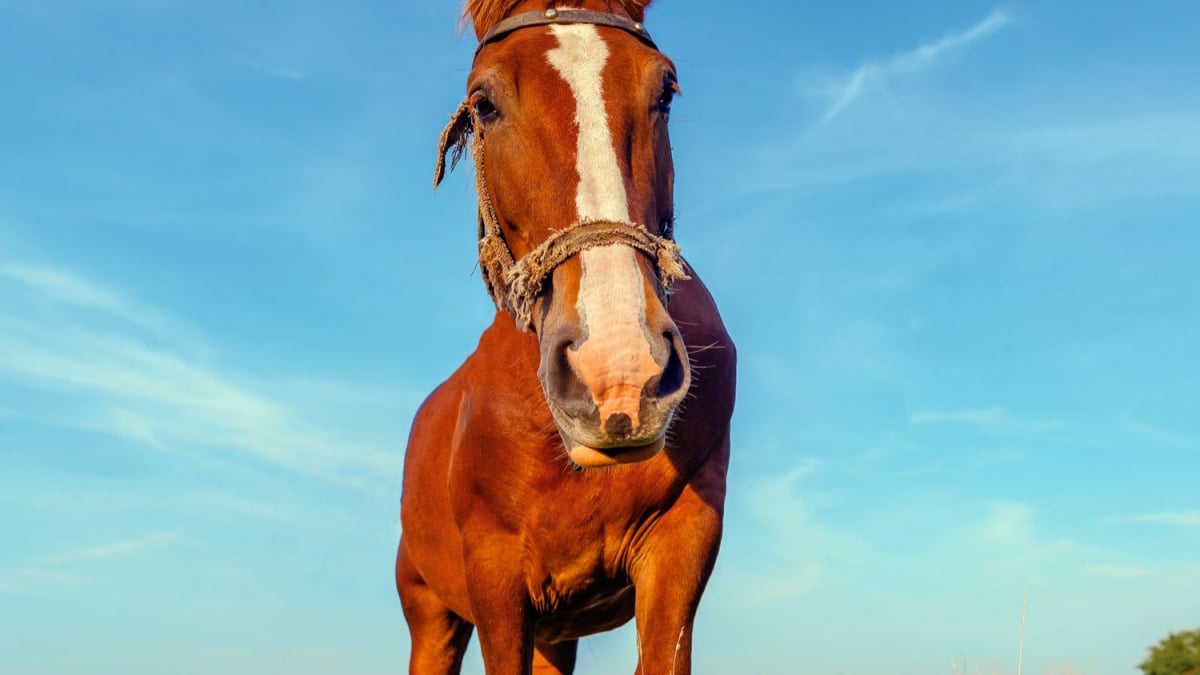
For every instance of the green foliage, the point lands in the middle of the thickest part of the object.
(1176, 654)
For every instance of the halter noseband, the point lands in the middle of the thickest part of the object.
(514, 285)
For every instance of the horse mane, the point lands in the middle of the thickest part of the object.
(486, 13)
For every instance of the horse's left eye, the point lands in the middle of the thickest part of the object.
(670, 89)
(485, 109)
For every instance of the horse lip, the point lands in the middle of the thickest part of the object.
(590, 458)
(592, 448)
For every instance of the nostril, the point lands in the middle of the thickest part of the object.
(618, 425)
(562, 382)
(674, 374)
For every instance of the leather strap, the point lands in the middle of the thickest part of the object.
(564, 16)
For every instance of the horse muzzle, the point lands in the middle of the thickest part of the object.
(613, 403)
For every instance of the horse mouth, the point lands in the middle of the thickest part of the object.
(594, 458)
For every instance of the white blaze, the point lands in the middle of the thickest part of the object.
(580, 59)
(611, 303)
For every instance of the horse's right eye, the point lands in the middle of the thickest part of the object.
(669, 91)
(485, 110)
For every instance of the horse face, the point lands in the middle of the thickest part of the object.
(574, 129)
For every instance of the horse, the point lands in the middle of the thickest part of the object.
(570, 475)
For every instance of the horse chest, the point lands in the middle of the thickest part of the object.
(576, 576)
(580, 541)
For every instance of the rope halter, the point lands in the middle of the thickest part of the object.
(515, 284)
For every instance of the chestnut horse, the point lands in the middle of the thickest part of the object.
(570, 475)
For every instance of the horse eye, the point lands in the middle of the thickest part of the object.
(670, 89)
(485, 110)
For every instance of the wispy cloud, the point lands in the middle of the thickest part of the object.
(801, 545)
(60, 568)
(1008, 544)
(63, 286)
(161, 398)
(24, 579)
(59, 286)
(167, 402)
(1181, 518)
(986, 418)
(1154, 434)
(874, 72)
(1119, 571)
(122, 548)
(1009, 524)
(1049, 159)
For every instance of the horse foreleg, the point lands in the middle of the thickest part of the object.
(500, 603)
(439, 636)
(669, 577)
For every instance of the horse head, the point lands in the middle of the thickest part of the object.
(566, 117)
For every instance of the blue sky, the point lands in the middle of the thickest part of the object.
(955, 244)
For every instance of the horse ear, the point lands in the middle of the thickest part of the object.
(454, 140)
(637, 9)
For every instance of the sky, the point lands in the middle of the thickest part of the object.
(955, 243)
